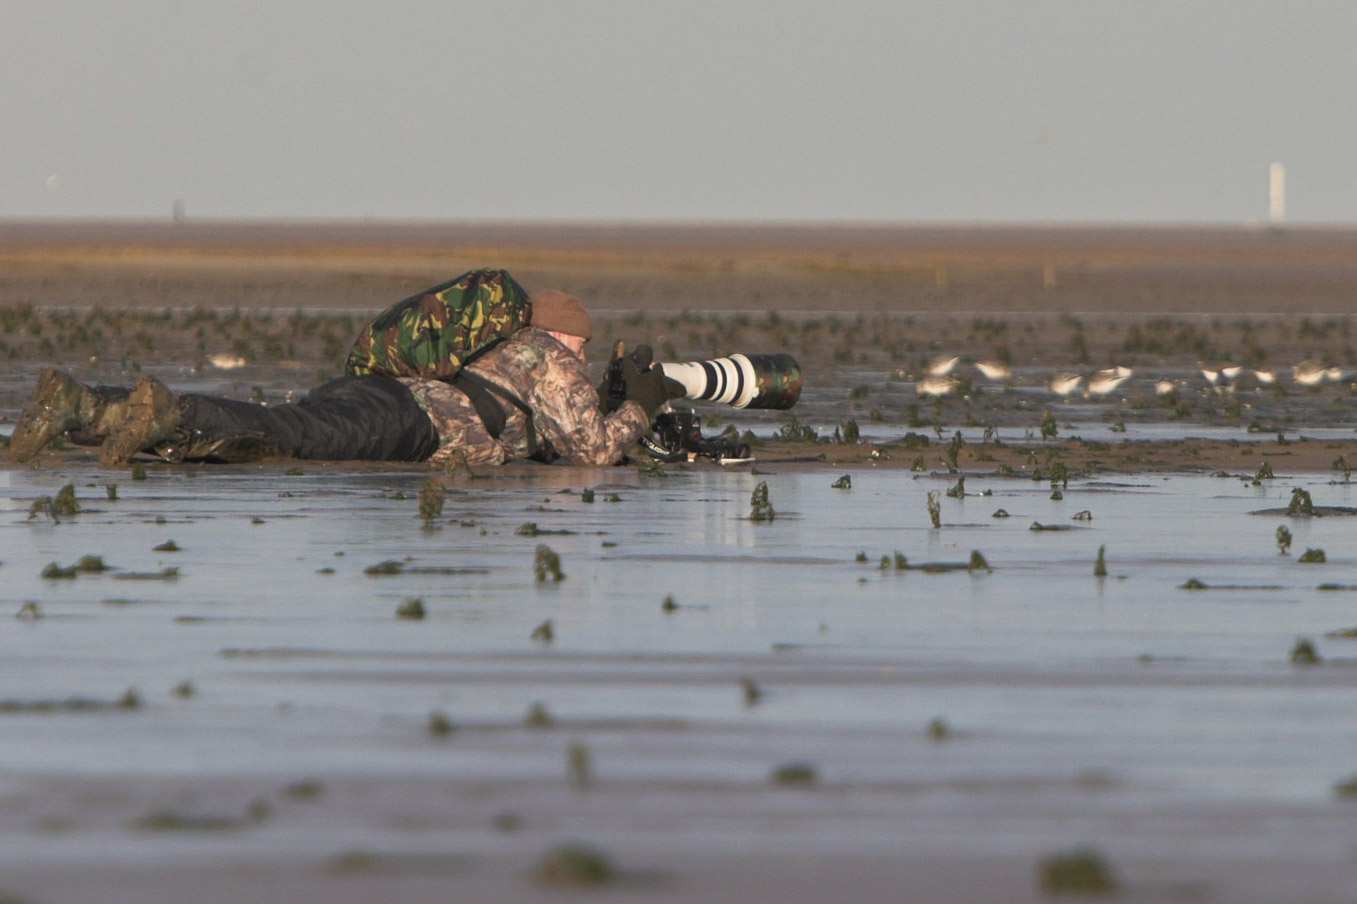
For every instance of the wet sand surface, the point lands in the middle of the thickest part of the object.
(952, 727)
(832, 705)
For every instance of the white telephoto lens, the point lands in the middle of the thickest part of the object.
(730, 381)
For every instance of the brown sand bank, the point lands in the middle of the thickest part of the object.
(657, 267)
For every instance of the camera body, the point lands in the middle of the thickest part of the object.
(678, 436)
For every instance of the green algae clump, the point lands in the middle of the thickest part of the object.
(574, 865)
(760, 509)
(794, 774)
(412, 608)
(1078, 872)
(546, 565)
(1304, 653)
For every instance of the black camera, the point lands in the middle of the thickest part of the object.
(678, 437)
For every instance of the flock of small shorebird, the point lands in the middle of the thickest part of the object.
(938, 378)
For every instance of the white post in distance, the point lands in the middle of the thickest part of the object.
(1276, 193)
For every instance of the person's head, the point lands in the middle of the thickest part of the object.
(563, 316)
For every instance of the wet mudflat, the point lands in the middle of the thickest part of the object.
(826, 704)
(209, 697)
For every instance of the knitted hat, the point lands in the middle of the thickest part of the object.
(558, 312)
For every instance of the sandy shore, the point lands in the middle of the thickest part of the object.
(1223, 271)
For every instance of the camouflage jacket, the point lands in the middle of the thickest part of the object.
(548, 378)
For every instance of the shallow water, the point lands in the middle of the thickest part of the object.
(1165, 727)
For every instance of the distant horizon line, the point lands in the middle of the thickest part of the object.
(1258, 225)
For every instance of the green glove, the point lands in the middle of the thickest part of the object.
(649, 388)
(643, 356)
(646, 388)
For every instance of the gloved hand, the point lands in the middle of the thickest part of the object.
(646, 388)
(649, 388)
(643, 356)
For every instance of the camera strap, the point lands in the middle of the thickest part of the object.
(485, 398)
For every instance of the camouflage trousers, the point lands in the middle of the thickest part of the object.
(460, 429)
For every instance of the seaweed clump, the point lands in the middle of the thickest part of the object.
(794, 774)
(1283, 540)
(440, 725)
(63, 505)
(1048, 428)
(412, 608)
(574, 865)
(760, 509)
(1304, 653)
(431, 500)
(546, 565)
(934, 509)
(1079, 872)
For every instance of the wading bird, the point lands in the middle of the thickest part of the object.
(1309, 373)
(1064, 384)
(936, 386)
(1107, 380)
(993, 370)
(943, 365)
(1221, 379)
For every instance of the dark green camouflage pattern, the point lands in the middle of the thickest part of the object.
(777, 379)
(431, 335)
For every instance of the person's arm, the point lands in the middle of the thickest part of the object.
(568, 415)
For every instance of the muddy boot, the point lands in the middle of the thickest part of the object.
(110, 410)
(60, 405)
(153, 414)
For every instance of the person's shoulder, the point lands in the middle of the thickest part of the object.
(531, 335)
(526, 349)
(546, 346)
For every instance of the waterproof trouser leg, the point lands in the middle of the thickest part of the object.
(367, 418)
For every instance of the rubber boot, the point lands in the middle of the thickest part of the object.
(153, 414)
(62, 404)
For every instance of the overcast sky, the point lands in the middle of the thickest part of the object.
(1026, 110)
